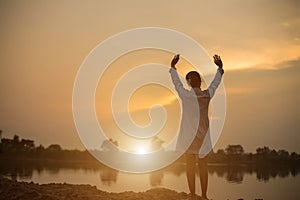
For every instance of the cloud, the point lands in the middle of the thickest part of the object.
(268, 115)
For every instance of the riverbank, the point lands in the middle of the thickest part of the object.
(14, 190)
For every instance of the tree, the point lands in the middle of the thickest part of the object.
(54, 147)
(234, 150)
(283, 154)
(221, 152)
(293, 156)
(40, 148)
(263, 151)
(27, 144)
(16, 140)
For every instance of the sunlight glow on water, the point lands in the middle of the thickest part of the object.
(219, 188)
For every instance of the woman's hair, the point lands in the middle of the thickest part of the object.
(195, 79)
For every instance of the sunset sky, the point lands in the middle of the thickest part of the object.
(43, 44)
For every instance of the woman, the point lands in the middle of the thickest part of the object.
(195, 122)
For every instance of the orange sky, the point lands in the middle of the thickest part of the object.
(43, 44)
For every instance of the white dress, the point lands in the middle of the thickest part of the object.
(194, 120)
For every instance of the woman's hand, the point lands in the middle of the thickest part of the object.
(175, 60)
(218, 61)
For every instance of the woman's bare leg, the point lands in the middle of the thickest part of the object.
(203, 175)
(190, 172)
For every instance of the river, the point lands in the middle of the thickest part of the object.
(224, 182)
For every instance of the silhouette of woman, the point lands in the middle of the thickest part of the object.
(191, 111)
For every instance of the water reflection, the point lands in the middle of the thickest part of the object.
(232, 173)
(235, 173)
(156, 178)
(108, 176)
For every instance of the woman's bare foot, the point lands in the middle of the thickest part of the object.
(204, 198)
(193, 197)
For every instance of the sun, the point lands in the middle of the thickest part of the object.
(141, 150)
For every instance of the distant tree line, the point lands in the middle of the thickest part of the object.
(25, 148)
(236, 153)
